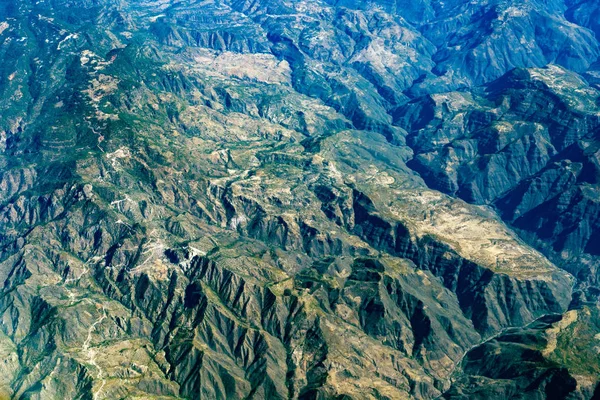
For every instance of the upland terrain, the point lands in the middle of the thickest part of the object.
(299, 199)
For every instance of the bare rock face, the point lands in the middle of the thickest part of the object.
(298, 199)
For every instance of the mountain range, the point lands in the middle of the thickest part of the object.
(299, 199)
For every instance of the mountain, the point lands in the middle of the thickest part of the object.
(302, 199)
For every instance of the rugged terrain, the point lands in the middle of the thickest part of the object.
(305, 199)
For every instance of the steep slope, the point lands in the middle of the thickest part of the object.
(536, 361)
(526, 145)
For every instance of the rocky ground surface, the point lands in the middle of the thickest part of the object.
(306, 199)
